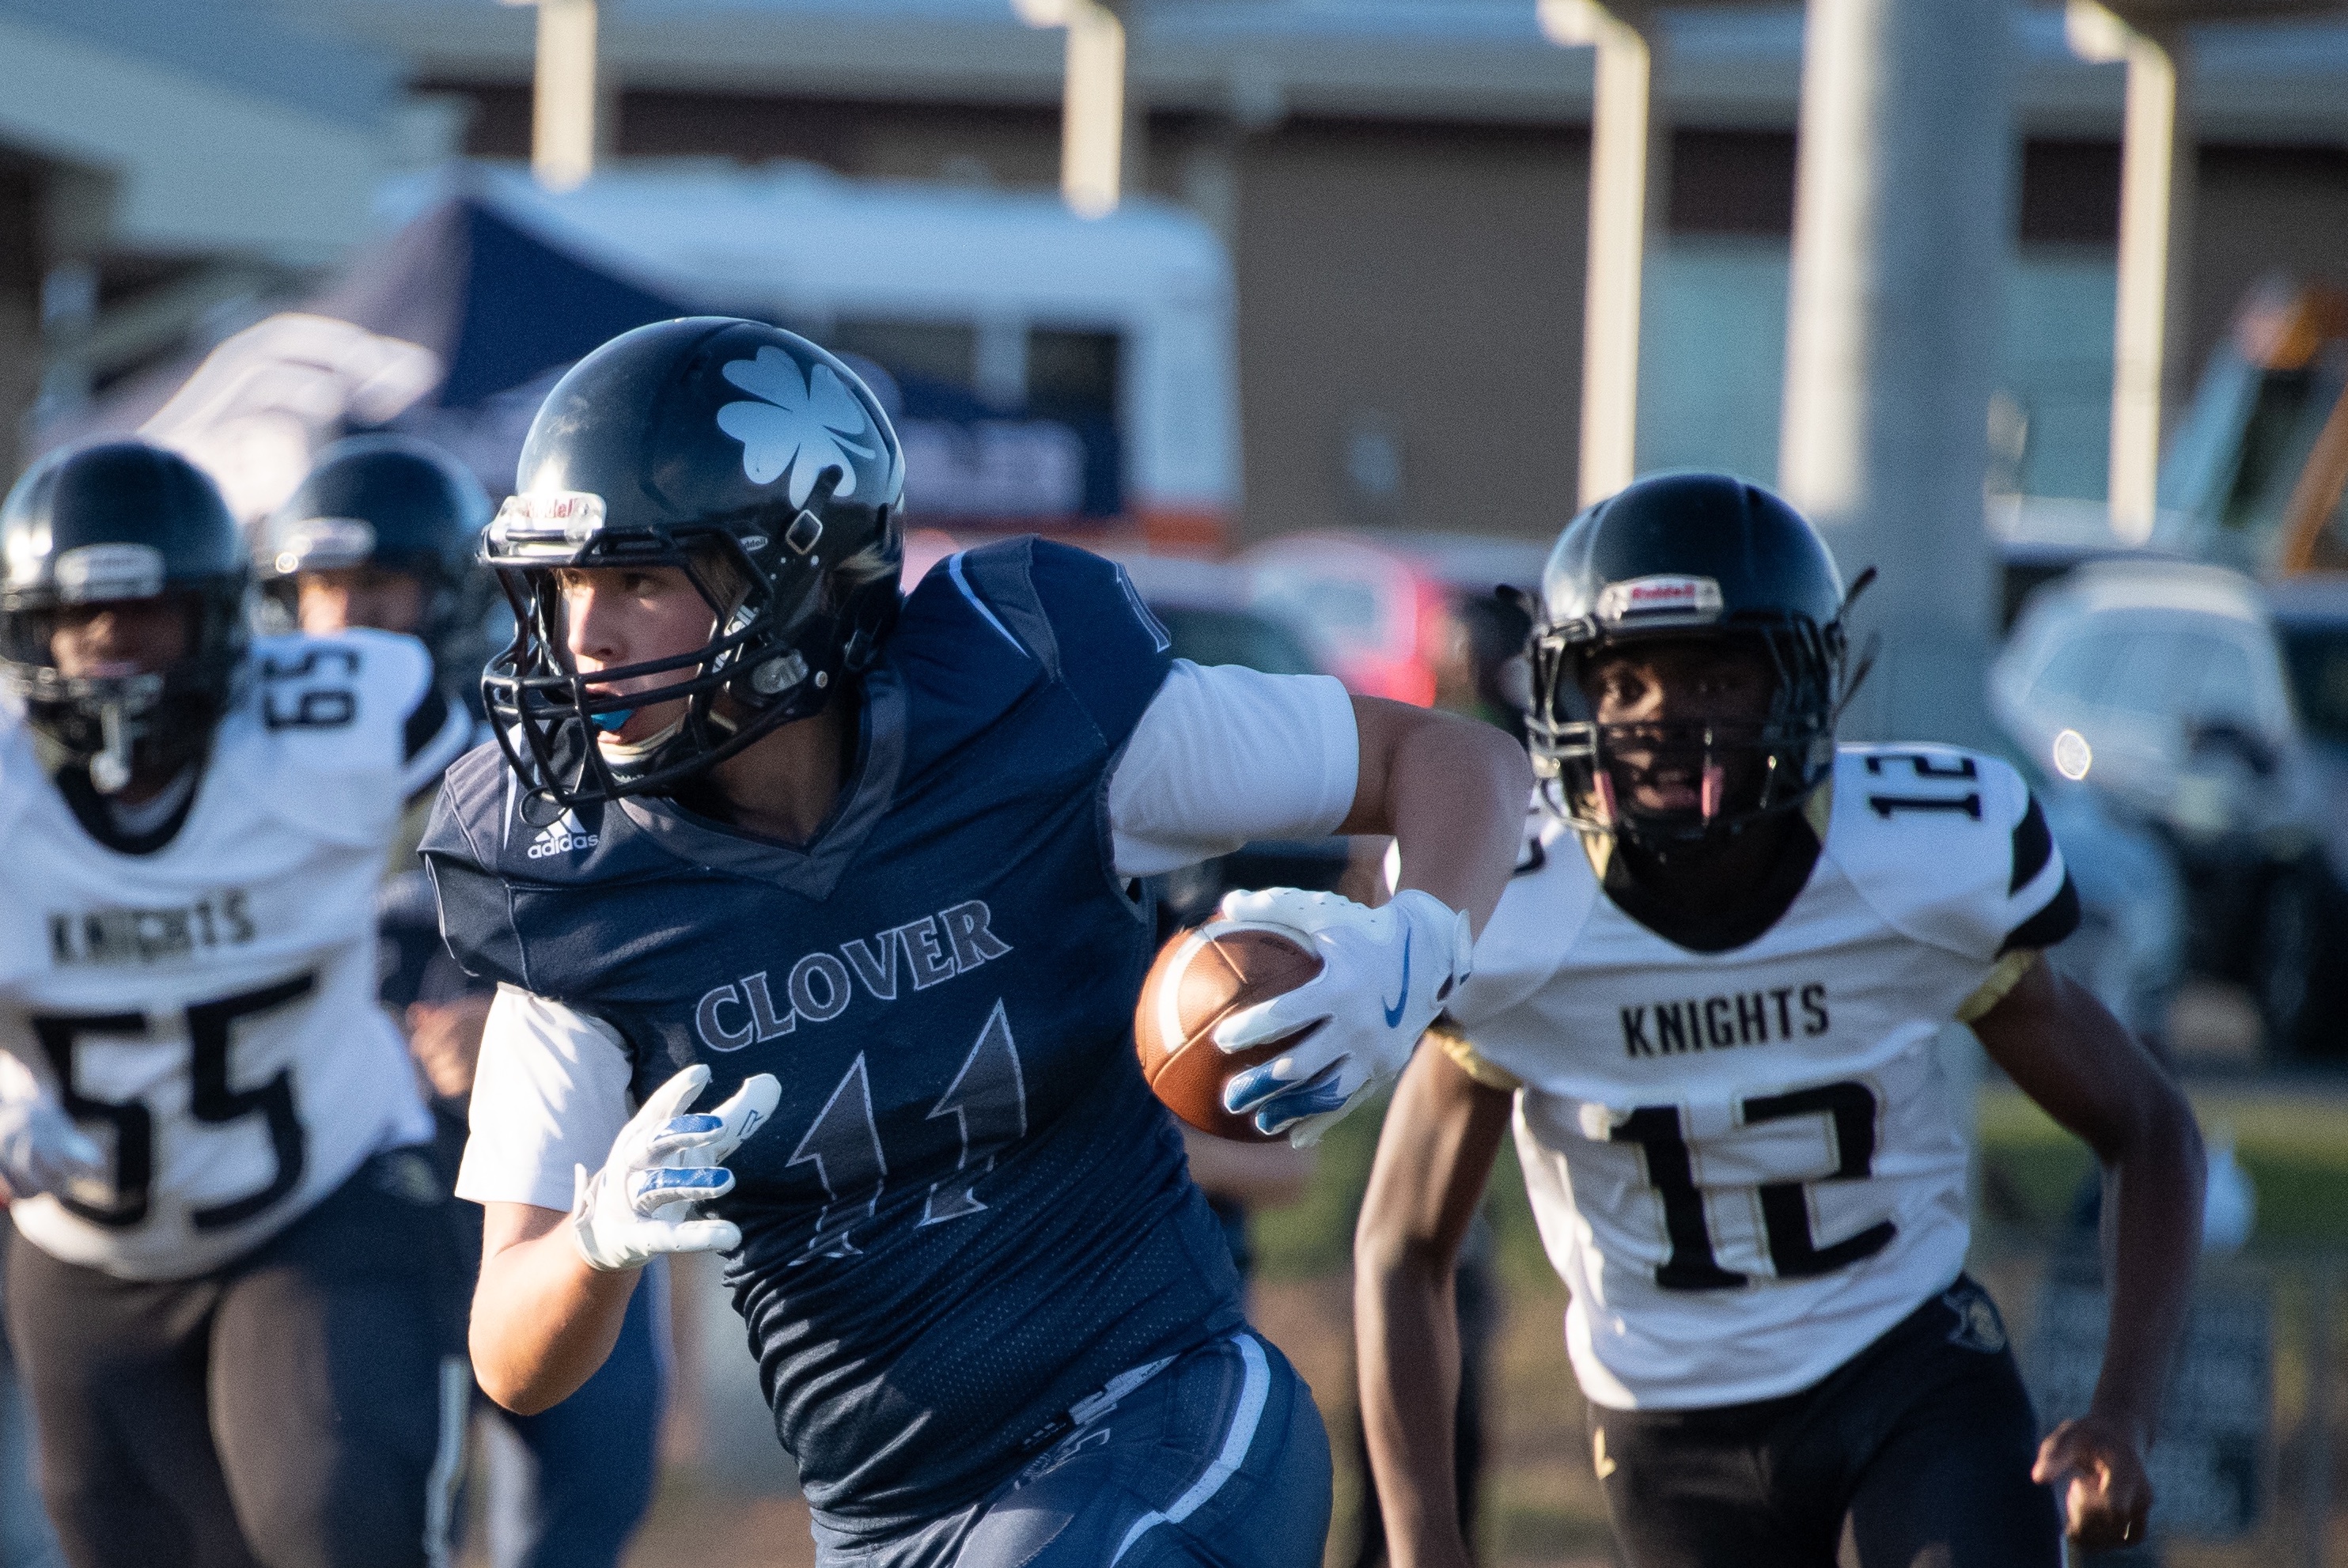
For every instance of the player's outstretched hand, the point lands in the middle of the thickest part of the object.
(1386, 972)
(2109, 1494)
(635, 1207)
(41, 1149)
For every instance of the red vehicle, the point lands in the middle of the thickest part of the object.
(1380, 611)
(1371, 614)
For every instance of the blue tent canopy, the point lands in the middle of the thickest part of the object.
(454, 327)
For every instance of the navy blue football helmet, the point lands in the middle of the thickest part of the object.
(386, 501)
(749, 459)
(1688, 556)
(119, 520)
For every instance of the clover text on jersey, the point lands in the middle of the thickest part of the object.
(149, 935)
(1718, 1023)
(818, 988)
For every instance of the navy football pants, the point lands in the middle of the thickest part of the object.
(1217, 1460)
(302, 1407)
(1924, 1441)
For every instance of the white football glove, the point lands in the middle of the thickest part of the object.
(633, 1210)
(41, 1149)
(1386, 972)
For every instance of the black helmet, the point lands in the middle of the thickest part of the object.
(385, 500)
(1687, 555)
(120, 520)
(744, 455)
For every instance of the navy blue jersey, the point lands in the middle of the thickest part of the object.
(969, 1213)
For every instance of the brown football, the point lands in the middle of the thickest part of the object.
(1200, 978)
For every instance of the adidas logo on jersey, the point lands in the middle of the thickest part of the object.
(563, 836)
(1719, 1023)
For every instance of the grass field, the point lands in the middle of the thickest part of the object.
(2292, 1142)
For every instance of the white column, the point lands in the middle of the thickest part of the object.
(562, 98)
(1092, 110)
(2157, 177)
(1900, 236)
(1092, 100)
(1629, 152)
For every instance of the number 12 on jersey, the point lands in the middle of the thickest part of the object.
(1795, 1252)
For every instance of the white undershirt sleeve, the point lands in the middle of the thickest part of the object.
(550, 1092)
(1227, 754)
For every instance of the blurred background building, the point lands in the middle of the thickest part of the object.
(1401, 187)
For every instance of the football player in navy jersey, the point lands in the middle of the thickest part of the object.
(1709, 1002)
(859, 875)
(230, 1280)
(385, 532)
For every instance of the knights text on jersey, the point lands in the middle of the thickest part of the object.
(1745, 1164)
(967, 1213)
(207, 1010)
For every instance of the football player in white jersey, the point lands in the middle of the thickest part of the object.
(1708, 1003)
(385, 533)
(230, 1280)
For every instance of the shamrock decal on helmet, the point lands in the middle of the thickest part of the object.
(816, 419)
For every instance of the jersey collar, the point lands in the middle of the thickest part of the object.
(812, 871)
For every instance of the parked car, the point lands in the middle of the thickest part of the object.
(2164, 687)
(1380, 610)
(2129, 948)
(1368, 613)
(1208, 611)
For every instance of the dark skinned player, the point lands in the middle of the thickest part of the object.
(1709, 1004)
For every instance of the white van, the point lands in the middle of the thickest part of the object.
(1067, 325)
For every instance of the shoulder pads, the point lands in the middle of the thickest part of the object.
(1945, 845)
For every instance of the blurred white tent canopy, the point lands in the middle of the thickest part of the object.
(805, 246)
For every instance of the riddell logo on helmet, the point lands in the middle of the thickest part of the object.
(1660, 598)
(531, 516)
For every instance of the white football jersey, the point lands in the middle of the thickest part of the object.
(1743, 1165)
(207, 1011)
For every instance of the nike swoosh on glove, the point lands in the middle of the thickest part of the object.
(1386, 972)
(41, 1149)
(635, 1208)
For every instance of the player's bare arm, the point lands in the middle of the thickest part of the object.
(530, 1272)
(1435, 1155)
(445, 1038)
(1450, 791)
(2063, 1049)
(554, 1285)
